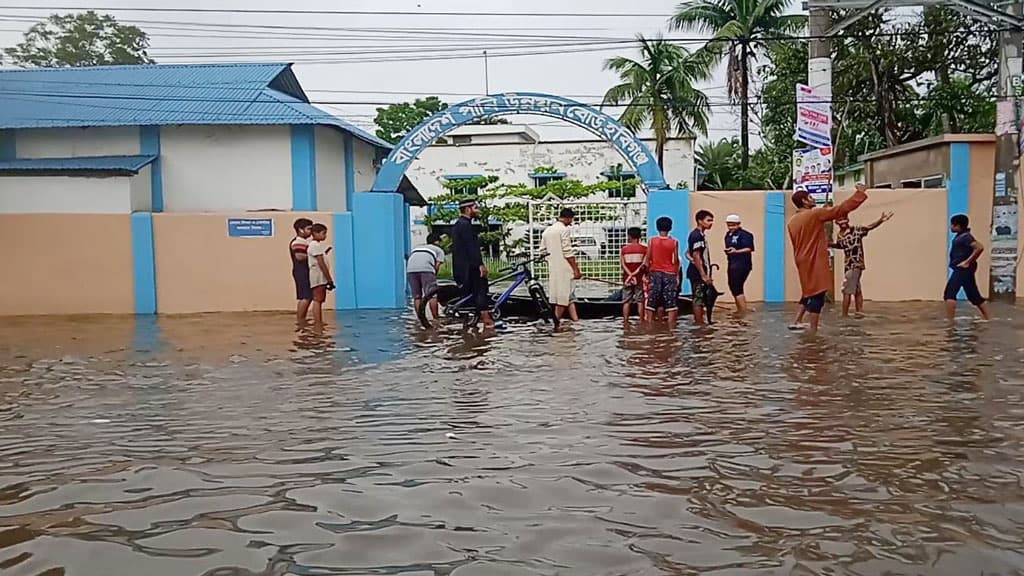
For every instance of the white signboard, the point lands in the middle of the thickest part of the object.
(812, 171)
(813, 117)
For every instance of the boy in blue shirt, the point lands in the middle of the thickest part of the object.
(963, 260)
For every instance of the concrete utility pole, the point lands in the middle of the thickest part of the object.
(1005, 197)
(819, 57)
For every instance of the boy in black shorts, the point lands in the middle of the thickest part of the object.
(963, 260)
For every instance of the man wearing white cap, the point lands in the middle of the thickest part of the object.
(739, 245)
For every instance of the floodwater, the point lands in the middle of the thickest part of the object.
(230, 445)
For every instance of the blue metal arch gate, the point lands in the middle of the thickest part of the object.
(634, 151)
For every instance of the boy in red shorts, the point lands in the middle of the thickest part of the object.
(631, 258)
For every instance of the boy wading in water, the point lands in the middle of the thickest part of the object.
(319, 272)
(699, 270)
(963, 260)
(739, 246)
(631, 258)
(810, 248)
(663, 263)
(297, 251)
(851, 241)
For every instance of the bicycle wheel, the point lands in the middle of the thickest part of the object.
(540, 300)
(421, 310)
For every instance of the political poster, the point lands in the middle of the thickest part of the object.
(813, 117)
(812, 171)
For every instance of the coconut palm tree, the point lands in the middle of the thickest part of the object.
(717, 160)
(658, 91)
(740, 29)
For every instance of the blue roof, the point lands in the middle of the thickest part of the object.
(154, 95)
(79, 164)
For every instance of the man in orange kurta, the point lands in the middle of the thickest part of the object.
(810, 247)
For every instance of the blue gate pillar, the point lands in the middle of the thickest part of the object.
(378, 251)
(676, 205)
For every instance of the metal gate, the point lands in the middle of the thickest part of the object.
(598, 234)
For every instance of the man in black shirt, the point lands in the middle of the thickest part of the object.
(964, 252)
(468, 263)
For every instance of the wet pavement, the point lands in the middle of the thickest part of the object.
(231, 445)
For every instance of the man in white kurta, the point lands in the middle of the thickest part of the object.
(562, 267)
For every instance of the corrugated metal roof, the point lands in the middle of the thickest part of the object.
(153, 95)
(78, 164)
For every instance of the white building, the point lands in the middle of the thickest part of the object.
(174, 138)
(513, 153)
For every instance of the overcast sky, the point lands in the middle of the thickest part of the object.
(324, 47)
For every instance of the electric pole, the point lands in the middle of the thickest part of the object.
(819, 60)
(1006, 193)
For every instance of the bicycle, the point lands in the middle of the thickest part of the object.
(465, 309)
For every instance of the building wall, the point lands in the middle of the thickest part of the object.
(226, 168)
(330, 170)
(90, 272)
(750, 206)
(199, 268)
(61, 194)
(919, 163)
(71, 142)
(981, 184)
(364, 155)
(141, 190)
(906, 257)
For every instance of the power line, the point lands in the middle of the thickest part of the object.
(284, 11)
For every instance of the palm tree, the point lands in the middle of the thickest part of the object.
(658, 91)
(718, 162)
(740, 28)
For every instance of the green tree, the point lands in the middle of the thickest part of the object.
(658, 91)
(394, 121)
(740, 31)
(86, 39)
(719, 162)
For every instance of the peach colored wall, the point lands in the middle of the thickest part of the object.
(751, 208)
(792, 276)
(199, 268)
(980, 187)
(88, 270)
(905, 257)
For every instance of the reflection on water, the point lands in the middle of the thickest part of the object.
(234, 445)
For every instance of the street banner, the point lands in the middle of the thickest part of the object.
(812, 171)
(813, 117)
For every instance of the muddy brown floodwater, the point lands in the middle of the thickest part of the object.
(231, 445)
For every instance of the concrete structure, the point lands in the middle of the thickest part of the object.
(513, 152)
(144, 174)
(227, 138)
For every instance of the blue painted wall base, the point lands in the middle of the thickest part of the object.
(775, 247)
(144, 263)
(370, 252)
(676, 205)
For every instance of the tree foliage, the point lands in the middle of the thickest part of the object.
(659, 91)
(893, 81)
(741, 30)
(508, 204)
(395, 120)
(86, 39)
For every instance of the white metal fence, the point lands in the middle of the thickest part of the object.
(599, 232)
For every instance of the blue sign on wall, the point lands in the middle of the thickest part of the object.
(250, 227)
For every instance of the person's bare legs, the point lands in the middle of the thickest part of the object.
(434, 309)
(626, 310)
(318, 314)
(673, 318)
(573, 315)
(559, 312)
(983, 308)
(302, 311)
(698, 315)
(813, 320)
(416, 304)
(858, 300)
(847, 298)
(951, 309)
(799, 317)
(741, 304)
(488, 320)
